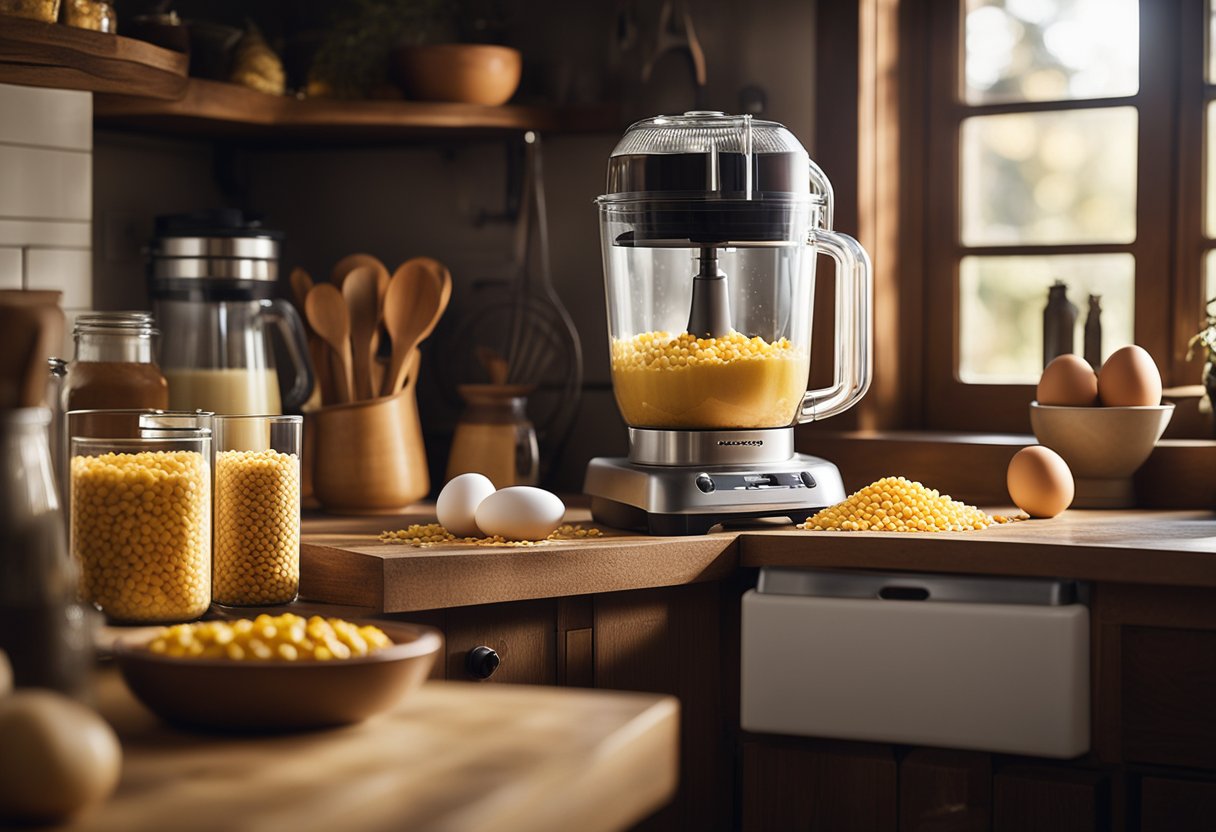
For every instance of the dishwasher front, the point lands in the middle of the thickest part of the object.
(991, 664)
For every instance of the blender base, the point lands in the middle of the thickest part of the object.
(671, 500)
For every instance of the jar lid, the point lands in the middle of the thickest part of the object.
(115, 323)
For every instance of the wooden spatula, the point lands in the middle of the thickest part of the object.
(328, 316)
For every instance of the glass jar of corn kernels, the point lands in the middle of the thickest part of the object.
(140, 520)
(257, 510)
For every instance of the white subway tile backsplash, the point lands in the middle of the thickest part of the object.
(68, 270)
(10, 268)
(46, 117)
(45, 233)
(45, 184)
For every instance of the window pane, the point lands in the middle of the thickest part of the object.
(1049, 50)
(1001, 310)
(1210, 184)
(1209, 274)
(1211, 37)
(1057, 177)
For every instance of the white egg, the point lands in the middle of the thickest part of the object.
(520, 512)
(457, 505)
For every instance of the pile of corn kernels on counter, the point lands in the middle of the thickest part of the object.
(894, 504)
(421, 534)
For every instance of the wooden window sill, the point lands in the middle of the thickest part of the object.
(1181, 473)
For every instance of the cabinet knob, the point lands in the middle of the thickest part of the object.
(481, 662)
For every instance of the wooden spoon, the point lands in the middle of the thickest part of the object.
(301, 284)
(327, 314)
(361, 293)
(417, 297)
(351, 262)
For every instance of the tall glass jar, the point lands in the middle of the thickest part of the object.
(257, 510)
(114, 365)
(141, 524)
(45, 632)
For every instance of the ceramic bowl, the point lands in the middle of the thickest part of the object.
(467, 73)
(278, 696)
(1103, 446)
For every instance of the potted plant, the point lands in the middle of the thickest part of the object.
(1205, 339)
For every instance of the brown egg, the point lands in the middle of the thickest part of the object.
(1129, 378)
(1039, 481)
(1068, 381)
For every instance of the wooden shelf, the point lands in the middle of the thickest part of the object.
(37, 54)
(215, 109)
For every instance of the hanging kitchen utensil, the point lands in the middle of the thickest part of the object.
(327, 313)
(536, 336)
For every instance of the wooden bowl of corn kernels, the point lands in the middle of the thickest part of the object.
(279, 692)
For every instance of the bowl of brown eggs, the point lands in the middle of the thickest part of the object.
(1104, 424)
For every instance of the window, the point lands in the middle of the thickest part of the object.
(1063, 141)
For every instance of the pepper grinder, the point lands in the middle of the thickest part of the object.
(1059, 322)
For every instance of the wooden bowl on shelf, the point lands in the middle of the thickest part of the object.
(274, 696)
(465, 73)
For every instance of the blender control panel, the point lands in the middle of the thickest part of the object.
(754, 482)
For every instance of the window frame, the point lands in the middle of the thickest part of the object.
(1169, 237)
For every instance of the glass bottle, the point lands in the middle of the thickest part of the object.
(114, 365)
(1059, 323)
(494, 436)
(46, 633)
(1093, 333)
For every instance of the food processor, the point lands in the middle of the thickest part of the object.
(711, 227)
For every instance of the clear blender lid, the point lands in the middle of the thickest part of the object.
(707, 178)
(708, 155)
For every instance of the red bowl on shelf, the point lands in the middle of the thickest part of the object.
(465, 73)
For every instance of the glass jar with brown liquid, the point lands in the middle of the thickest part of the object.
(113, 367)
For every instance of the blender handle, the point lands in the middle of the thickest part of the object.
(285, 317)
(854, 333)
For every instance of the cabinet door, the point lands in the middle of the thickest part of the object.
(1177, 805)
(945, 791)
(520, 633)
(807, 786)
(669, 641)
(1155, 675)
(1049, 800)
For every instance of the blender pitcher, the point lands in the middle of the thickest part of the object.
(711, 227)
(212, 281)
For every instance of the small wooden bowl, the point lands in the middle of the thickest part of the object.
(466, 73)
(277, 696)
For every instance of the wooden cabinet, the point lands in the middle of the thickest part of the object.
(1152, 769)
(945, 791)
(666, 640)
(1049, 800)
(1170, 805)
(793, 786)
(1155, 675)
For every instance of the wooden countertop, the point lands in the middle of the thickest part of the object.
(452, 756)
(344, 563)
